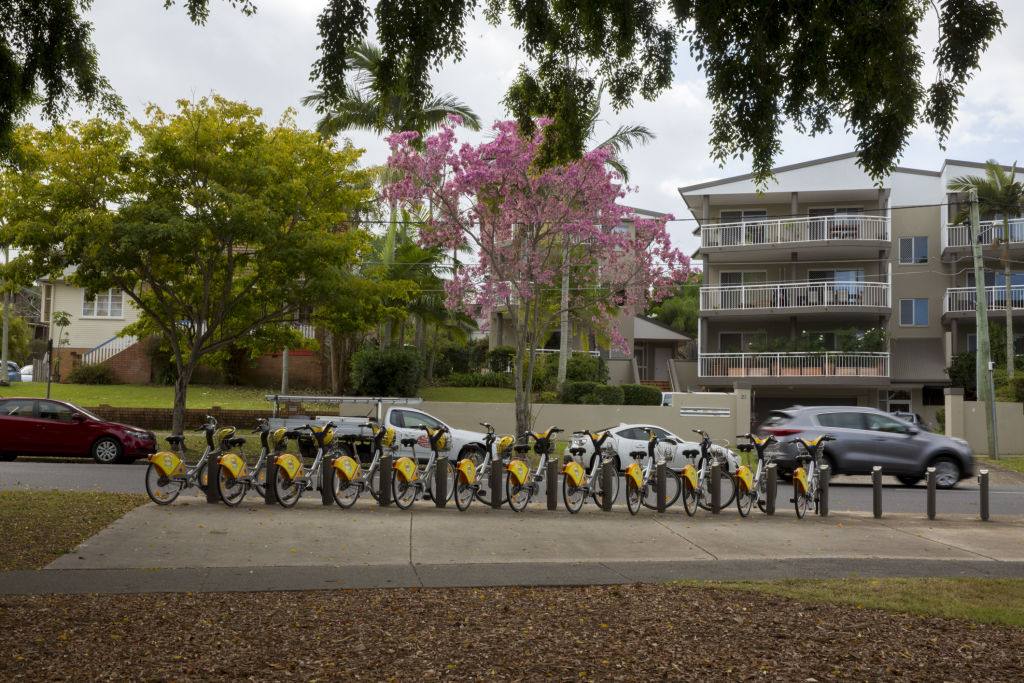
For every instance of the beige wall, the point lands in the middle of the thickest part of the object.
(86, 332)
(966, 420)
(922, 281)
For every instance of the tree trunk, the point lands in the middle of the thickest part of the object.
(523, 416)
(563, 342)
(432, 358)
(1007, 272)
(180, 388)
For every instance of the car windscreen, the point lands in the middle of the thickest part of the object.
(846, 419)
(775, 419)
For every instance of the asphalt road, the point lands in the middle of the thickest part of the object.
(847, 493)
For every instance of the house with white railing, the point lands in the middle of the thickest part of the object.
(826, 286)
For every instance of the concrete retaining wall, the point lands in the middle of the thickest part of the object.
(966, 419)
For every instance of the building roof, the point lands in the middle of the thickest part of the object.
(648, 329)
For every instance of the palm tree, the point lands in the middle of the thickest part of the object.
(999, 193)
(364, 108)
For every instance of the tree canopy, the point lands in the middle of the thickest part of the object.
(219, 228)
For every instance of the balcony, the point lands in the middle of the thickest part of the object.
(793, 297)
(816, 231)
(795, 368)
(958, 237)
(962, 302)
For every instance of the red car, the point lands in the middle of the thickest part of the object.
(42, 426)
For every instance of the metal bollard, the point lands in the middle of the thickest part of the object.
(270, 479)
(930, 478)
(772, 489)
(213, 480)
(716, 489)
(607, 467)
(659, 485)
(876, 484)
(495, 481)
(440, 492)
(385, 480)
(983, 488)
(551, 480)
(327, 475)
(824, 475)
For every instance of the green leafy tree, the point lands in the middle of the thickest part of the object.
(218, 227)
(681, 311)
(999, 194)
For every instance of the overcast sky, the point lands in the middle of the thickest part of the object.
(156, 55)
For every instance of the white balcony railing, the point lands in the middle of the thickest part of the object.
(960, 235)
(965, 299)
(794, 295)
(806, 229)
(827, 364)
(107, 349)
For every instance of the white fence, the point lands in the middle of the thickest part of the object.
(960, 235)
(783, 230)
(965, 299)
(826, 364)
(107, 349)
(795, 295)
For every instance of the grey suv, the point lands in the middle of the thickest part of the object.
(866, 437)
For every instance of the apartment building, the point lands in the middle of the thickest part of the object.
(826, 287)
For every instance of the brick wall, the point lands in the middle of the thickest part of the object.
(131, 366)
(159, 419)
(304, 371)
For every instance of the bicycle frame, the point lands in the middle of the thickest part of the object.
(172, 468)
(521, 477)
(291, 469)
(350, 471)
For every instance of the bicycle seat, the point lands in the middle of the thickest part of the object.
(236, 441)
(636, 455)
(691, 452)
(408, 442)
(804, 457)
(577, 450)
(175, 439)
(522, 448)
(745, 447)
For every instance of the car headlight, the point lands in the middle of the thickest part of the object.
(962, 442)
(139, 435)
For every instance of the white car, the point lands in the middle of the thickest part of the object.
(628, 438)
(26, 373)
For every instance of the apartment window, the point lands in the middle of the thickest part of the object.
(743, 227)
(913, 312)
(105, 304)
(913, 250)
(737, 342)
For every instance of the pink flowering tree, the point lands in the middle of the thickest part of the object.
(527, 226)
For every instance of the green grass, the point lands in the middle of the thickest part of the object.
(992, 601)
(39, 526)
(1010, 462)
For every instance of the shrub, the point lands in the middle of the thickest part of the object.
(575, 392)
(451, 357)
(499, 359)
(478, 379)
(547, 397)
(962, 374)
(1017, 387)
(388, 372)
(608, 394)
(545, 372)
(582, 367)
(940, 420)
(92, 374)
(640, 395)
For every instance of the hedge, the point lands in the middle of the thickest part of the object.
(387, 372)
(641, 395)
(608, 394)
(479, 379)
(575, 392)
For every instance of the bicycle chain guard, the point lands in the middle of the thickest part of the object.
(347, 467)
(467, 471)
(233, 464)
(406, 470)
(574, 471)
(167, 464)
(519, 472)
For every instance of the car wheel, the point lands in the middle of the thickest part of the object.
(947, 472)
(828, 459)
(106, 450)
(908, 479)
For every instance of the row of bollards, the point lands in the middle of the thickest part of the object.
(607, 475)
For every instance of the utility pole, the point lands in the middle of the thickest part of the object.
(6, 331)
(284, 371)
(983, 372)
(563, 342)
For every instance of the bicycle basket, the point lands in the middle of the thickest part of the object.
(442, 443)
(389, 438)
(505, 444)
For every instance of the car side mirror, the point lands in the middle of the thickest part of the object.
(78, 417)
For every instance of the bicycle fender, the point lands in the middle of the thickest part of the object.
(800, 480)
(167, 464)
(406, 469)
(518, 470)
(233, 464)
(633, 472)
(467, 471)
(289, 465)
(574, 471)
(689, 473)
(744, 479)
(347, 467)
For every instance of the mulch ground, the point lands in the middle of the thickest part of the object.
(613, 633)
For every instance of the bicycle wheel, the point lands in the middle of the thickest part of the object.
(745, 501)
(598, 495)
(373, 484)
(259, 481)
(203, 478)
(518, 495)
(449, 484)
(572, 495)
(288, 490)
(232, 491)
(673, 487)
(162, 490)
(633, 496)
(403, 493)
(483, 494)
(689, 498)
(800, 503)
(346, 492)
(726, 488)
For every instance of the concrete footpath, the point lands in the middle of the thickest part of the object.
(191, 546)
